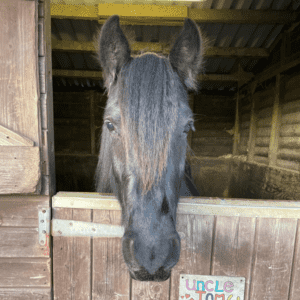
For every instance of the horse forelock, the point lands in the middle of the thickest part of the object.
(149, 94)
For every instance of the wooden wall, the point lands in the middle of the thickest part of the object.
(78, 123)
(214, 115)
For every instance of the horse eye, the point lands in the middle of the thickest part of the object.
(110, 126)
(188, 127)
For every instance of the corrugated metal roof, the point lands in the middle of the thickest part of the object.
(217, 35)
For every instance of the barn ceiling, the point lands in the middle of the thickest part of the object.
(240, 35)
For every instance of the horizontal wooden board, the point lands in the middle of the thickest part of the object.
(25, 293)
(21, 242)
(19, 169)
(21, 210)
(22, 272)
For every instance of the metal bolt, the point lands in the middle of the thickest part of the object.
(44, 211)
(42, 242)
(94, 229)
(42, 221)
(44, 231)
(59, 232)
(71, 224)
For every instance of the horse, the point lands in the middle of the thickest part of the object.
(143, 147)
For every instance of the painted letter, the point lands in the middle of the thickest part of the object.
(211, 297)
(187, 285)
(200, 294)
(228, 284)
(209, 290)
(229, 297)
(220, 296)
(217, 288)
(202, 285)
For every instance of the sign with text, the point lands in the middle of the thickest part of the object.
(198, 287)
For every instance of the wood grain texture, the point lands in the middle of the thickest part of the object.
(18, 76)
(72, 260)
(24, 272)
(273, 258)
(21, 210)
(10, 138)
(196, 234)
(110, 276)
(233, 248)
(25, 294)
(295, 280)
(19, 169)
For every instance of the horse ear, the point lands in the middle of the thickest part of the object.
(114, 49)
(186, 54)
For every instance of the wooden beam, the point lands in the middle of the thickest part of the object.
(252, 129)
(64, 45)
(241, 16)
(98, 75)
(171, 15)
(69, 11)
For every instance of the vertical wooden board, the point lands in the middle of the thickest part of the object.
(233, 248)
(295, 282)
(196, 234)
(273, 258)
(72, 260)
(142, 290)
(110, 277)
(18, 76)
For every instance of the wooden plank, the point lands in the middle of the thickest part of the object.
(25, 293)
(275, 126)
(233, 248)
(252, 129)
(295, 281)
(21, 242)
(72, 260)
(11, 138)
(150, 290)
(199, 206)
(273, 257)
(24, 272)
(19, 169)
(18, 76)
(87, 12)
(110, 276)
(21, 210)
(196, 234)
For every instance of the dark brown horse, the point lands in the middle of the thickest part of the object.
(143, 143)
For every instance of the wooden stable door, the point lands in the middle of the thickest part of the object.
(257, 240)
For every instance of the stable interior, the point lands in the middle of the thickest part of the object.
(247, 110)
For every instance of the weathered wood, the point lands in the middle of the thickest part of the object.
(72, 260)
(18, 77)
(295, 280)
(273, 255)
(233, 248)
(19, 169)
(21, 242)
(287, 164)
(21, 210)
(25, 294)
(10, 138)
(289, 154)
(109, 274)
(25, 272)
(263, 151)
(196, 234)
(262, 141)
(291, 142)
(290, 130)
(276, 119)
(291, 118)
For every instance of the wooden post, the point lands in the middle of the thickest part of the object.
(252, 129)
(190, 134)
(92, 122)
(275, 126)
(236, 138)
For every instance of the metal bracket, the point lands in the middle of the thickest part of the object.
(87, 229)
(44, 225)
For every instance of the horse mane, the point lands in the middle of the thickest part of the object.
(149, 92)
